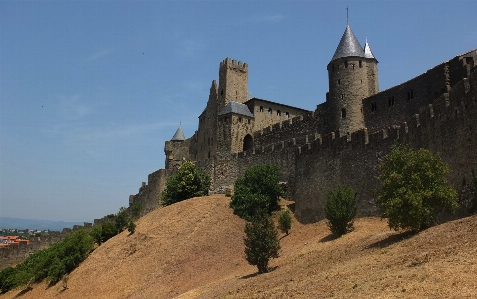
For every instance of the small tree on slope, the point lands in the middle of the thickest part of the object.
(414, 188)
(261, 242)
(187, 183)
(340, 209)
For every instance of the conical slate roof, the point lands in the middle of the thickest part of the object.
(348, 46)
(237, 108)
(179, 135)
(367, 51)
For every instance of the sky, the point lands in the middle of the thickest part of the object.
(91, 90)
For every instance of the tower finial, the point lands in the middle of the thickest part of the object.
(347, 19)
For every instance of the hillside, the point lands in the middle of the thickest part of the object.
(194, 249)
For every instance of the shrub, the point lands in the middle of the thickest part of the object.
(187, 183)
(261, 242)
(97, 233)
(284, 221)
(108, 230)
(136, 209)
(131, 227)
(414, 188)
(258, 190)
(121, 219)
(340, 209)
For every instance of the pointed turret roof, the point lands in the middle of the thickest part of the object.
(348, 46)
(367, 51)
(179, 135)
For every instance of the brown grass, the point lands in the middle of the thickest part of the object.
(194, 249)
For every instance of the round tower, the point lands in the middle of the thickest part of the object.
(353, 76)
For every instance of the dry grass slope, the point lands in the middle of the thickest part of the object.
(194, 249)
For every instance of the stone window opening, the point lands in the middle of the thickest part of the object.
(342, 97)
(410, 95)
(352, 65)
(346, 64)
(240, 119)
(221, 92)
(391, 101)
(339, 82)
(374, 106)
(279, 113)
(287, 114)
(343, 112)
(270, 111)
(249, 121)
(360, 63)
(261, 108)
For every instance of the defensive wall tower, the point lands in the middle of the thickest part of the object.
(353, 76)
(233, 80)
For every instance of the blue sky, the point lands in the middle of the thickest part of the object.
(91, 90)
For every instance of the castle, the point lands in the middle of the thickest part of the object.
(340, 142)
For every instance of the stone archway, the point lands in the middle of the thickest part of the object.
(247, 142)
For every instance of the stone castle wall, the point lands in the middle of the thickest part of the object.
(446, 127)
(313, 160)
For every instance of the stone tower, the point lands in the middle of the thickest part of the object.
(233, 80)
(353, 76)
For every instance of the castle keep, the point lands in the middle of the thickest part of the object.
(341, 141)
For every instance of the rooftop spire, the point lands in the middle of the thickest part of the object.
(179, 135)
(348, 46)
(347, 19)
(367, 50)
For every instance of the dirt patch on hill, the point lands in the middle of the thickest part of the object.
(194, 249)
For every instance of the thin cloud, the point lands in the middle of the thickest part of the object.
(98, 54)
(71, 108)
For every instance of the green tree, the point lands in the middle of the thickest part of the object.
(258, 190)
(136, 209)
(261, 242)
(121, 219)
(131, 227)
(187, 183)
(108, 230)
(97, 233)
(285, 221)
(414, 188)
(340, 209)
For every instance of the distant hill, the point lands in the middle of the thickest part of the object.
(19, 223)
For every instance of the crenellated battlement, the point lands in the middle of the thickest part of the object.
(234, 64)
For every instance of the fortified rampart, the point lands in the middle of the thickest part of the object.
(432, 110)
(447, 127)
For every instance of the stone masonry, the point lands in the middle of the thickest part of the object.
(342, 141)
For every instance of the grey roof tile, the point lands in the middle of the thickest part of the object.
(348, 46)
(367, 51)
(237, 108)
(179, 135)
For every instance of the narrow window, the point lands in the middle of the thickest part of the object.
(240, 119)
(221, 92)
(287, 114)
(346, 64)
(343, 112)
(352, 65)
(342, 97)
(279, 113)
(339, 82)
(360, 63)
(374, 106)
(269, 110)
(261, 108)
(249, 121)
